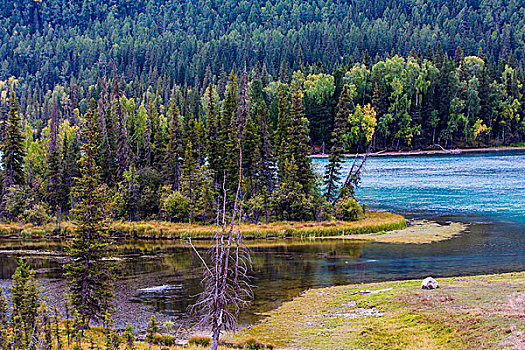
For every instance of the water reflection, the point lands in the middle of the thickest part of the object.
(164, 277)
(487, 191)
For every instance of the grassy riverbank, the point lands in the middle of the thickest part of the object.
(478, 312)
(372, 222)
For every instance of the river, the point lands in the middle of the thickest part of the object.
(485, 190)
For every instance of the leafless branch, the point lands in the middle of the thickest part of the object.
(226, 288)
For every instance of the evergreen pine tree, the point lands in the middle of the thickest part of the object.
(228, 138)
(251, 155)
(123, 149)
(129, 338)
(69, 171)
(289, 200)
(56, 328)
(333, 169)
(54, 185)
(297, 142)
(243, 105)
(25, 295)
(128, 194)
(157, 142)
(13, 147)
(212, 127)
(189, 173)
(112, 336)
(3, 321)
(151, 331)
(43, 328)
(106, 154)
(281, 134)
(265, 165)
(174, 148)
(89, 275)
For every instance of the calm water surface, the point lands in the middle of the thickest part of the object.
(485, 190)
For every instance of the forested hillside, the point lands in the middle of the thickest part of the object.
(187, 94)
(51, 41)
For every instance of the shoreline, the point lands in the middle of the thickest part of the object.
(372, 222)
(437, 152)
(417, 232)
(378, 227)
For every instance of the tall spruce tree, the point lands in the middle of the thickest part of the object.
(333, 169)
(266, 163)
(281, 133)
(174, 150)
(157, 146)
(123, 148)
(3, 321)
(54, 185)
(89, 275)
(290, 200)
(26, 297)
(212, 127)
(69, 171)
(189, 173)
(228, 137)
(106, 153)
(13, 147)
(251, 156)
(297, 142)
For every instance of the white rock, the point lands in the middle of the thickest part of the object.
(429, 283)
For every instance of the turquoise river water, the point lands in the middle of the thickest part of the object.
(485, 190)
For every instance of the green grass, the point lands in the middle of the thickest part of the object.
(518, 144)
(479, 312)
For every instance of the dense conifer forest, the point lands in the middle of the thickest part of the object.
(185, 95)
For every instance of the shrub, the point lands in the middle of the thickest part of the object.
(255, 208)
(347, 209)
(164, 340)
(254, 344)
(199, 341)
(14, 202)
(35, 214)
(323, 211)
(292, 205)
(176, 206)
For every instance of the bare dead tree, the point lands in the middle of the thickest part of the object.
(226, 281)
(353, 178)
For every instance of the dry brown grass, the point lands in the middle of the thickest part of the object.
(370, 223)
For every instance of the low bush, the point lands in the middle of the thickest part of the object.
(176, 207)
(254, 344)
(348, 209)
(164, 340)
(199, 341)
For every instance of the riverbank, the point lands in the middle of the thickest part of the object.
(372, 222)
(418, 232)
(431, 152)
(478, 312)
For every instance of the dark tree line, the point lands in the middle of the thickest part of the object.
(163, 150)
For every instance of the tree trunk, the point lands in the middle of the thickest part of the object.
(215, 338)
